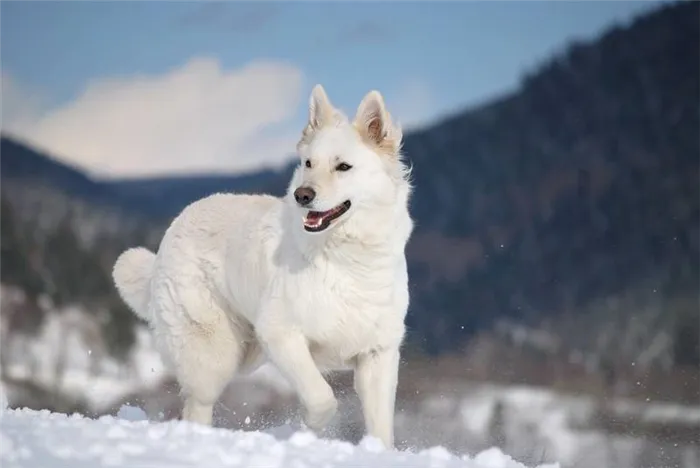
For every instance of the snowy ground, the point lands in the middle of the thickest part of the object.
(49, 440)
(68, 361)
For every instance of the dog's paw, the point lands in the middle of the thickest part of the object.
(318, 416)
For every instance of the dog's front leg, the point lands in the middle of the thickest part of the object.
(376, 377)
(288, 350)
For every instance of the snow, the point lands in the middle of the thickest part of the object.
(67, 357)
(659, 412)
(40, 438)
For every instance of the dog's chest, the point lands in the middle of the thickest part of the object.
(349, 312)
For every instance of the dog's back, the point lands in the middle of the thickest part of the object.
(193, 253)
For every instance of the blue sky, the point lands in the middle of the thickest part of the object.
(427, 58)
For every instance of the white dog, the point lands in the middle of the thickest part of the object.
(314, 281)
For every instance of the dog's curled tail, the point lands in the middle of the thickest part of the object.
(132, 274)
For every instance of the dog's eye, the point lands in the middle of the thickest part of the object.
(343, 167)
(308, 163)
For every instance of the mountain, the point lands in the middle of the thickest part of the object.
(166, 196)
(571, 206)
(161, 197)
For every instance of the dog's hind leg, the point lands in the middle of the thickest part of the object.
(210, 354)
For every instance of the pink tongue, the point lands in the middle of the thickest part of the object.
(314, 215)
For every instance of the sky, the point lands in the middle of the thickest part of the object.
(132, 89)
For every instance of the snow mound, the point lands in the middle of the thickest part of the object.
(40, 438)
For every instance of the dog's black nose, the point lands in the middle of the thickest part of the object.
(304, 195)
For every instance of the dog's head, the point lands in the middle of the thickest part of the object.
(347, 167)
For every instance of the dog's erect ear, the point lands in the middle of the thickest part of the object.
(374, 123)
(321, 112)
(320, 108)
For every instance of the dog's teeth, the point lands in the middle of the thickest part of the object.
(312, 223)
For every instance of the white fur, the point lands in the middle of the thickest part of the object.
(238, 279)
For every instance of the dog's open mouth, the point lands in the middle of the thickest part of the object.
(317, 221)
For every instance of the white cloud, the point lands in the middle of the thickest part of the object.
(412, 104)
(198, 117)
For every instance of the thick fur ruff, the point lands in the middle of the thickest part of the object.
(243, 278)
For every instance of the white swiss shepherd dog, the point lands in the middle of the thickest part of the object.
(312, 282)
